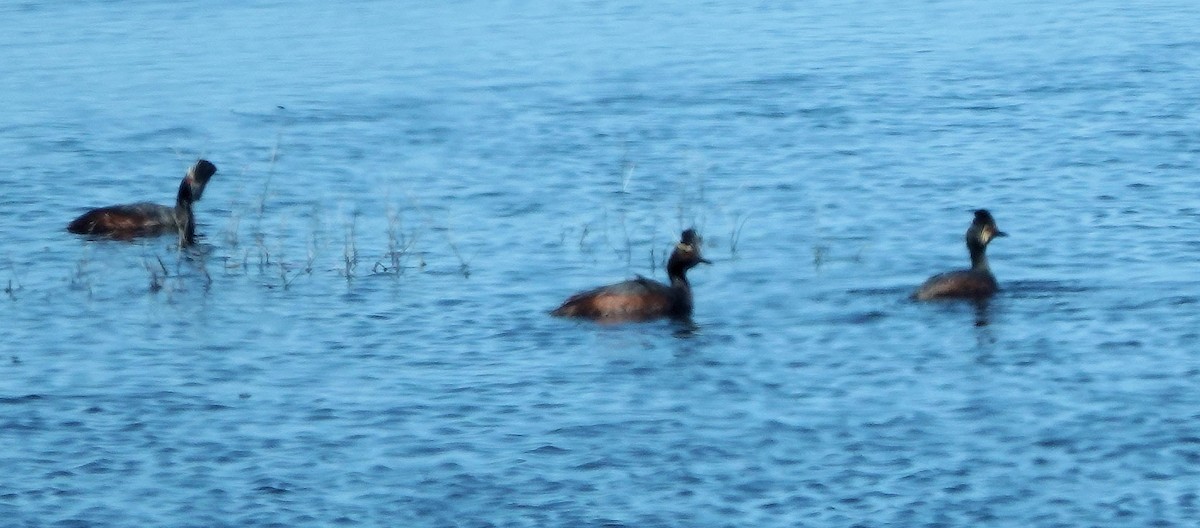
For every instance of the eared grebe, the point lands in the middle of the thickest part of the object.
(150, 219)
(642, 299)
(975, 283)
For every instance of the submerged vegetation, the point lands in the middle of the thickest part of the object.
(393, 236)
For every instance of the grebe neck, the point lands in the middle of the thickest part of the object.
(184, 197)
(677, 274)
(978, 255)
(184, 220)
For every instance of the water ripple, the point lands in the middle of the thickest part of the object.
(361, 338)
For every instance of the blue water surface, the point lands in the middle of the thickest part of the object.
(407, 188)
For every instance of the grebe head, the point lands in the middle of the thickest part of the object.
(192, 187)
(686, 254)
(983, 229)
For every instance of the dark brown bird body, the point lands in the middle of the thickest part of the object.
(143, 219)
(642, 299)
(976, 282)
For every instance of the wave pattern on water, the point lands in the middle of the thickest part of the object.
(361, 336)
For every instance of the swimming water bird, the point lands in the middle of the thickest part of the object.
(642, 299)
(975, 283)
(150, 219)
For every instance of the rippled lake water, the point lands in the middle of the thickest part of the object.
(361, 338)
